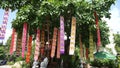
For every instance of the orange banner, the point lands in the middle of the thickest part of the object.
(58, 45)
(29, 48)
(54, 43)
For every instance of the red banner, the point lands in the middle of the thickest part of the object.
(87, 50)
(12, 42)
(29, 48)
(81, 47)
(98, 30)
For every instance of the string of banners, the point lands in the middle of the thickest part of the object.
(4, 24)
(37, 47)
(72, 39)
(24, 35)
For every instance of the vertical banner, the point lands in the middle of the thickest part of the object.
(15, 41)
(12, 42)
(19, 46)
(81, 46)
(4, 24)
(42, 42)
(87, 50)
(29, 48)
(24, 35)
(91, 45)
(58, 45)
(62, 49)
(54, 43)
(72, 39)
(37, 47)
(98, 31)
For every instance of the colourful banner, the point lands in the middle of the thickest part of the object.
(72, 39)
(29, 48)
(4, 24)
(42, 46)
(81, 46)
(91, 45)
(24, 36)
(12, 42)
(54, 43)
(98, 30)
(58, 45)
(62, 49)
(15, 41)
(19, 46)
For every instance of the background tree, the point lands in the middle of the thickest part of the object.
(117, 42)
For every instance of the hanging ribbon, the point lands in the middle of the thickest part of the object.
(72, 39)
(15, 41)
(29, 48)
(58, 45)
(19, 46)
(98, 30)
(91, 45)
(54, 43)
(12, 42)
(37, 45)
(81, 46)
(4, 24)
(24, 35)
(87, 50)
(62, 49)
(42, 42)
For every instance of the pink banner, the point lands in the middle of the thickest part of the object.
(37, 47)
(12, 42)
(62, 35)
(24, 35)
(4, 24)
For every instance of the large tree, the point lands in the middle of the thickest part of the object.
(39, 12)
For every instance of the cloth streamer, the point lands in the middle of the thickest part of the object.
(24, 36)
(72, 39)
(12, 42)
(62, 49)
(54, 42)
(37, 47)
(4, 24)
(29, 48)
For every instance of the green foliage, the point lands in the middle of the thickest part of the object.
(117, 42)
(104, 63)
